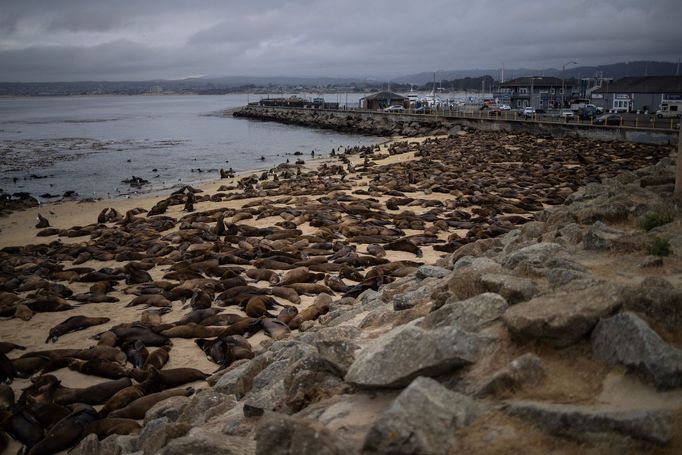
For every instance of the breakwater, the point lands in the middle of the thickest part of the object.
(412, 125)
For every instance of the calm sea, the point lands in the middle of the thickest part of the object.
(90, 144)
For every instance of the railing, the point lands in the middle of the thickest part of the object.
(630, 121)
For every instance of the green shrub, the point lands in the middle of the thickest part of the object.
(659, 247)
(652, 220)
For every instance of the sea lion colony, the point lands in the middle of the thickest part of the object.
(266, 255)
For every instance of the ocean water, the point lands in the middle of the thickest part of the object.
(90, 144)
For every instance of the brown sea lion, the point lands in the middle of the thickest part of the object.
(222, 319)
(47, 413)
(7, 371)
(151, 383)
(201, 299)
(108, 426)
(376, 250)
(310, 288)
(311, 313)
(335, 283)
(7, 347)
(6, 396)
(23, 427)
(404, 245)
(138, 408)
(109, 353)
(93, 395)
(136, 352)
(136, 332)
(102, 286)
(192, 330)
(151, 300)
(100, 368)
(152, 317)
(275, 328)
(65, 433)
(157, 358)
(49, 304)
(272, 264)
(259, 305)
(199, 315)
(286, 293)
(300, 275)
(94, 297)
(225, 350)
(176, 377)
(245, 327)
(346, 271)
(23, 312)
(73, 324)
(287, 314)
(107, 338)
(263, 275)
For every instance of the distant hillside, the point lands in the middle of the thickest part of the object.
(616, 71)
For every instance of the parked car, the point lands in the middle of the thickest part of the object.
(505, 107)
(494, 112)
(540, 111)
(528, 112)
(609, 119)
(394, 108)
(567, 114)
(588, 112)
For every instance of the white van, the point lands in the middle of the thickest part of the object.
(670, 109)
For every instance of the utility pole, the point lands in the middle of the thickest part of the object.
(563, 79)
(678, 173)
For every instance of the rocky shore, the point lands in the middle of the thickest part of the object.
(484, 293)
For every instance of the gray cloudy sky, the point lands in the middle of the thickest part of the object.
(58, 40)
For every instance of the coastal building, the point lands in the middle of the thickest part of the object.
(382, 100)
(539, 92)
(645, 93)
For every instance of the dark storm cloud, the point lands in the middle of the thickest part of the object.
(127, 39)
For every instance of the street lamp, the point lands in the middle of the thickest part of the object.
(563, 80)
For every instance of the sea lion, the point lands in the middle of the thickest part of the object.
(100, 368)
(376, 250)
(258, 306)
(94, 297)
(275, 328)
(176, 377)
(107, 338)
(111, 354)
(6, 396)
(263, 275)
(287, 314)
(404, 245)
(23, 312)
(151, 300)
(7, 371)
(73, 324)
(310, 288)
(286, 293)
(225, 350)
(311, 313)
(108, 426)
(23, 427)
(335, 283)
(42, 222)
(48, 413)
(222, 319)
(138, 408)
(157, 358)
(102, 287)
(152, 317)
(300, 275)
(144, 334)
(201, 299)
(136, 352)
(192, 330)
(7, 347)
(246, 327)
(151, 383)
(199, 315)
(66, 432)
(93, 395)
(49, 304)
(346, 271)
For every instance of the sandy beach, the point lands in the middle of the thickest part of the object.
(433, 212)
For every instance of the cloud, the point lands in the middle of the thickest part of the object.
(97, 39)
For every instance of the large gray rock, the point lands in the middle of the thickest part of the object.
(562, 318)
(311, 379)
(470, 314)
(526, 370)
(200, 441)
(406, 352)
(513, 288)
(659, 300)
(627, 340)
(278, 434)
(155, 434)
(421, 420)
(601, 237)
(336, 344)
(432, 271)
(171, 408)
(239, 381)
(585, 421)
(204, 405)
(533, 256)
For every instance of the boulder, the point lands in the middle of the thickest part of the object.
(171, 408)
(421, 420)
(431, 271)
(336, 344)
(584, 421)
(278, 434)
(658, 299)
(156, 433)
(527, 369)
(200, 441)
(562, 318)
(470, 314)
(514, 289)
(204, 405)
(532, 257)
(309, 380)
(406, 352)
(627, 340)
